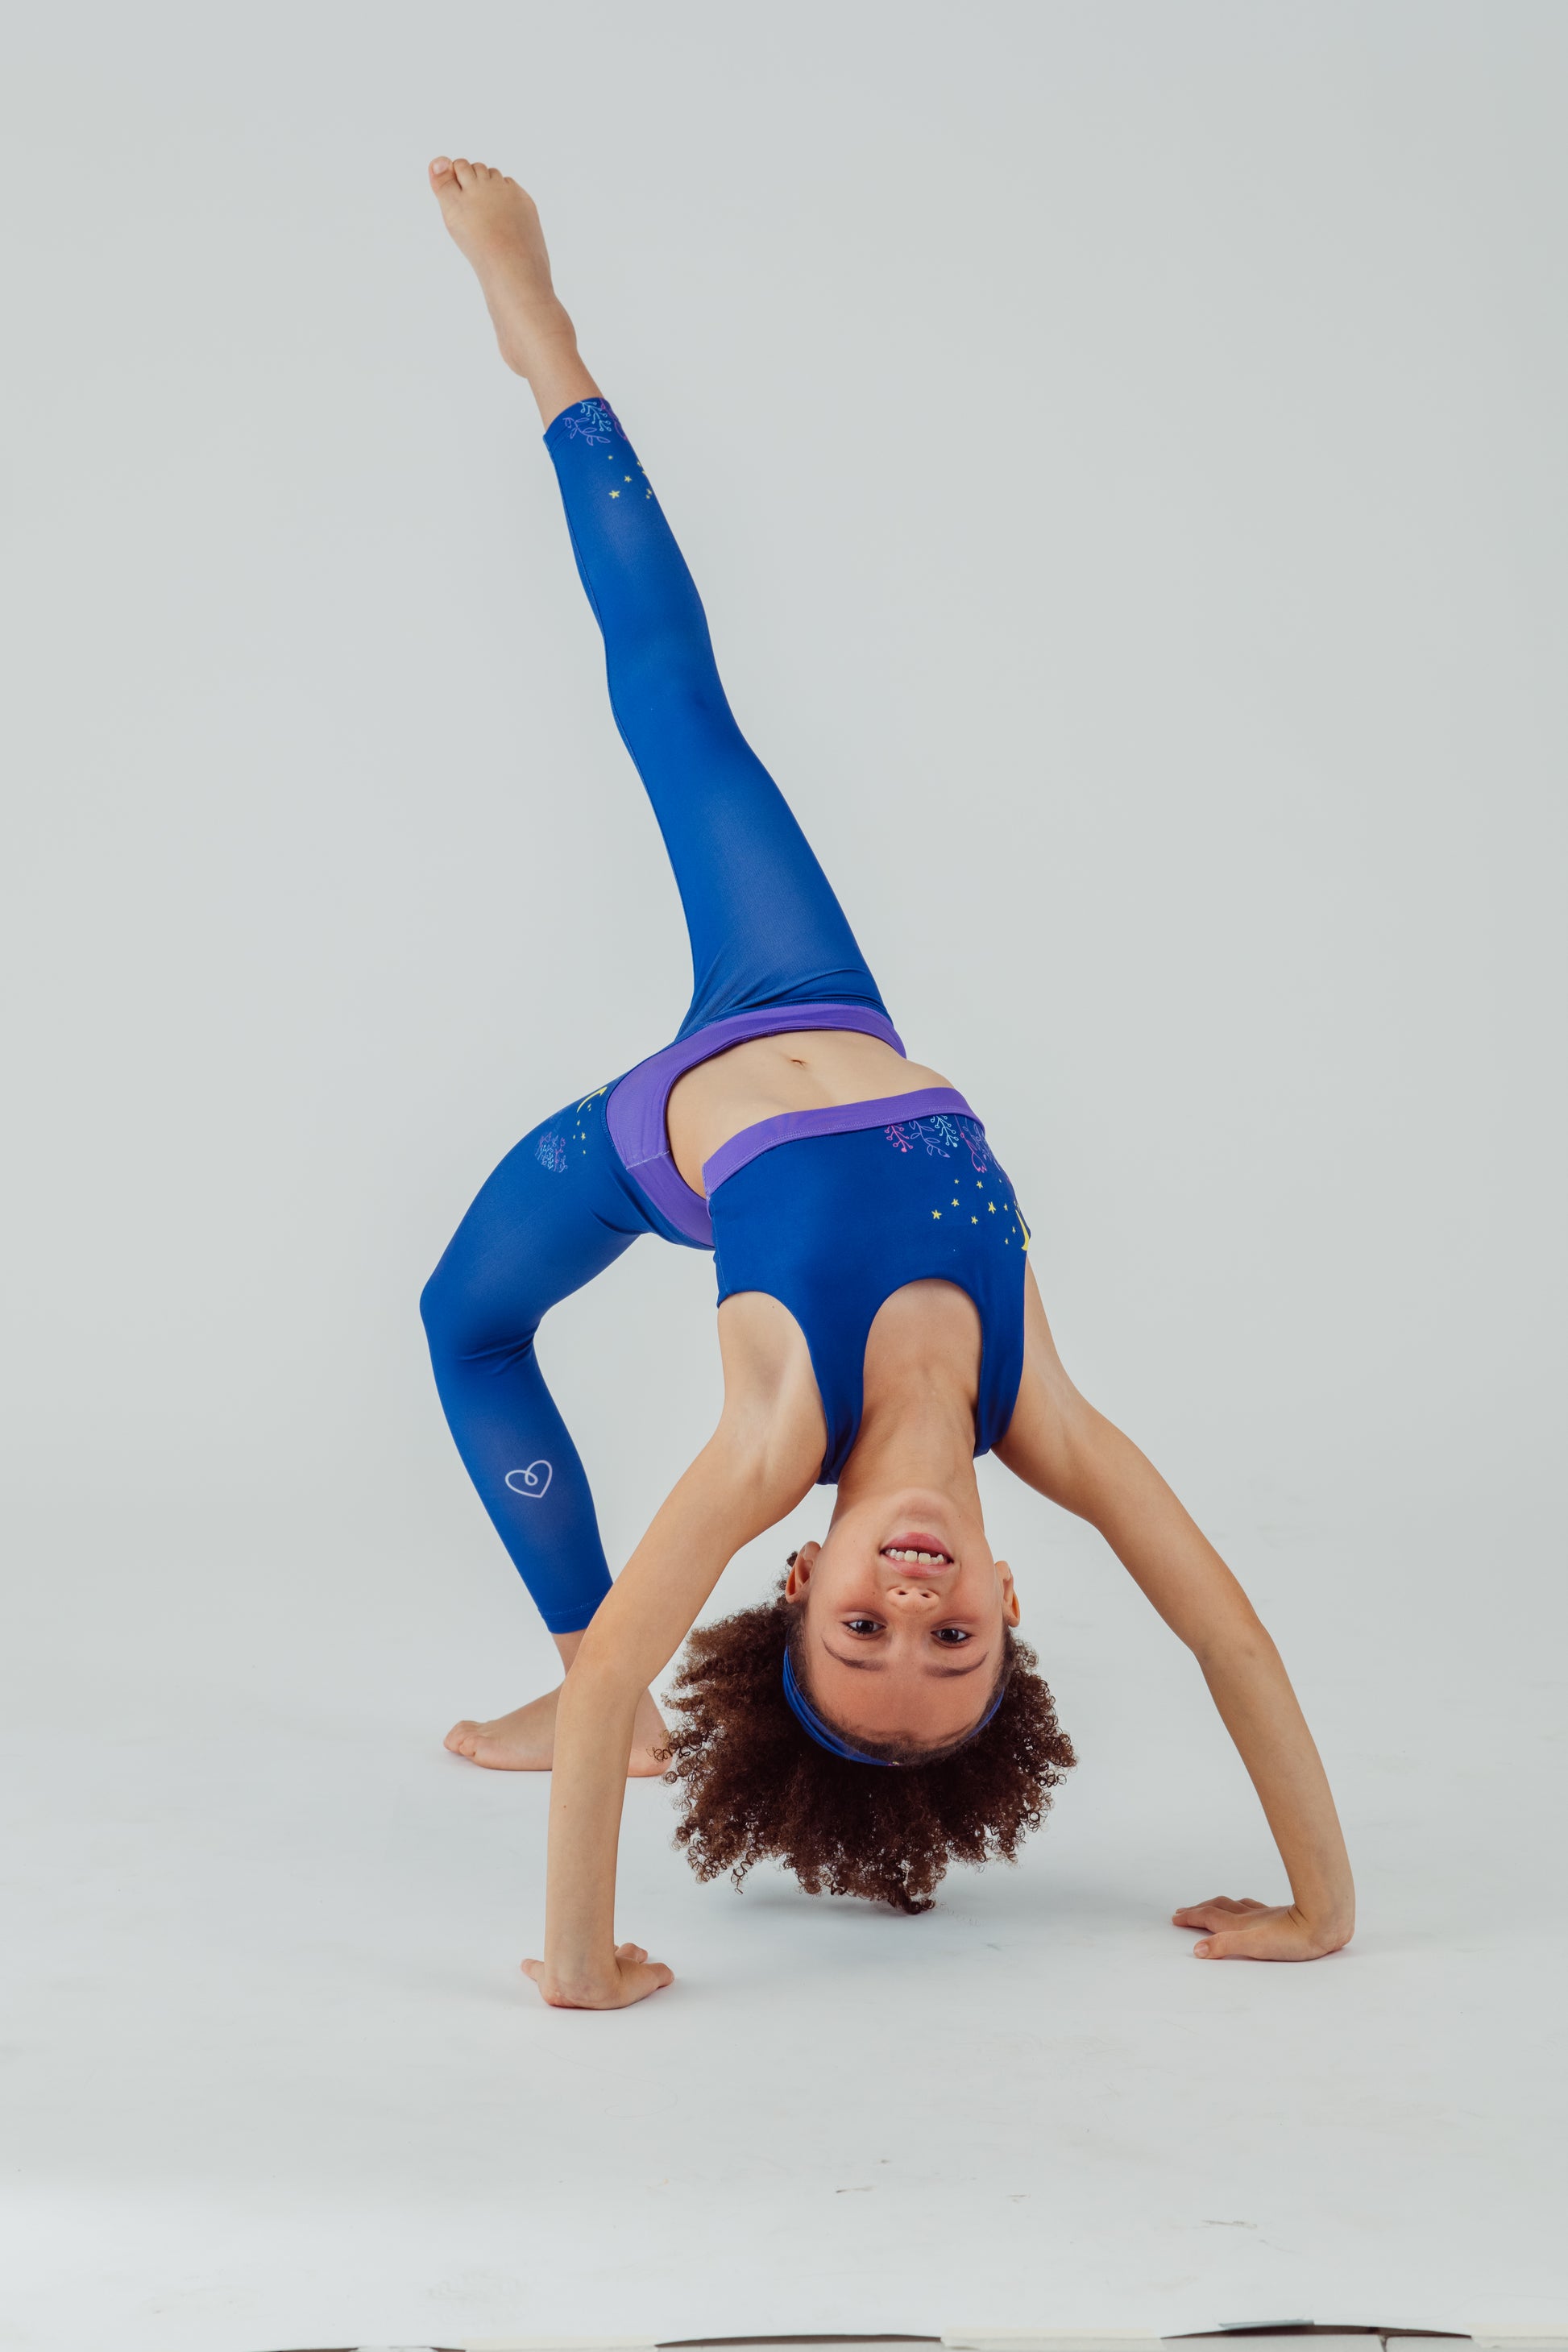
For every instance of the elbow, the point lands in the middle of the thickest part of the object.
(768, 1473)
(601, 1676)
(1242, 1646)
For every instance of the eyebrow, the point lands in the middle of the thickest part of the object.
(878, 1666)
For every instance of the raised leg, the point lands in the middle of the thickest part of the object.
(764, 924)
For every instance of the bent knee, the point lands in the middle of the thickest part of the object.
(465, 1318)
(434, 1302)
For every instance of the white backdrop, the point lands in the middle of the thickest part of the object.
(1121, 450)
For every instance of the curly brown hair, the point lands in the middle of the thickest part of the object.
(754, 1785)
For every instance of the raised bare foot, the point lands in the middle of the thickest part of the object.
(495, 224)
(524, 1741)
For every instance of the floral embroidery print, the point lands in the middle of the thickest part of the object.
(550, 1152)
(592, 421)
(942, 1137)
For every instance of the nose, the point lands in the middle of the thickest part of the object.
(912, 1591)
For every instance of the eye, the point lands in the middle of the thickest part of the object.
(952, 1635)
(862, 1625)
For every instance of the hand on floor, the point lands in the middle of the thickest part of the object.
(1258, 1931)
(634, 1978)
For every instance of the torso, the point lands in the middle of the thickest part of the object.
(800, 1070)
(928, 1321)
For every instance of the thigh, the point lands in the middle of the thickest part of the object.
(555, 1212)
(765, 924)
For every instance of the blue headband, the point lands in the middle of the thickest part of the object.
(810, 1722)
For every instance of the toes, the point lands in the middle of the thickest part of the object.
(440, 169)
(466, 176)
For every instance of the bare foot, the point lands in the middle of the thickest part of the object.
(495, 224)
(524, 1741)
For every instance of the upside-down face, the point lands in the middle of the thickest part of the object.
(904, 1606)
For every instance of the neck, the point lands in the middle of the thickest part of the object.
(916, 1431)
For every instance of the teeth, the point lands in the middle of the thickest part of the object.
(917, 1559)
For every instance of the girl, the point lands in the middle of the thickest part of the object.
(879, 1329)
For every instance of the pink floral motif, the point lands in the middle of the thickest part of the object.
(942, 1137)
(550, 1152)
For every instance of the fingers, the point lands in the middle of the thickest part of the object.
(1213, 1913)
(1253, 1941)
(640, 1975)
(635, 1978)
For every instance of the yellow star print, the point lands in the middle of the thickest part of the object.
(615, 494)
(936, 1212)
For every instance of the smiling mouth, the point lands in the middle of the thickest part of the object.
(917, 1551)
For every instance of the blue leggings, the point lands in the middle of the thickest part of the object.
(765, 930)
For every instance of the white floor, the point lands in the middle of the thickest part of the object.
(273, 2079)
(1199, 633)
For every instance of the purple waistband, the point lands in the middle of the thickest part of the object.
(834, 1119)
(635, 1113)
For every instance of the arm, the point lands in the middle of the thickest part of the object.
(761, 1461)
(1058, 1444)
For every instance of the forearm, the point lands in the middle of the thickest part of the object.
(1110, 1481)
(1249, 1685)
(592, 1744)
(723, 1501)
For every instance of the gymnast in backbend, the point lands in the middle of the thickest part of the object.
(880, 1328)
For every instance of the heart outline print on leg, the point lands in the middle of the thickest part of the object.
(528, 1482)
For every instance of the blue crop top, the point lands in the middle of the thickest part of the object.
(831, 1211)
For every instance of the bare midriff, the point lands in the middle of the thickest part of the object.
(800, 1070)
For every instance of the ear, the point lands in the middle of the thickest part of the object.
(801, 1564)
(1011, 1612)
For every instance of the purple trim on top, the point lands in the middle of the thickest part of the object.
(835, 1118)
(635, 1113)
